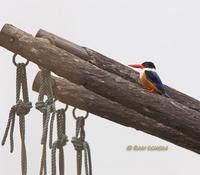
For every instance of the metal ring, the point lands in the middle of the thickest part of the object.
(74, 114)
(66, 106)
(14, 60)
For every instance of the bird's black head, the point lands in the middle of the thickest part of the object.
(149, 64)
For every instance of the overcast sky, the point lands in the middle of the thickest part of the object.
(134, 31)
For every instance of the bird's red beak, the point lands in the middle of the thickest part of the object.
(136, 65)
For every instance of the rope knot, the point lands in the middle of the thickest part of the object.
(41, 106)
(49, 101)
(51, 104)
(61, 142)
(78, 143)
(23, 108)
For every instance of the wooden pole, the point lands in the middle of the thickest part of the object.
(111, 86)
(78, 96)
(112, 66)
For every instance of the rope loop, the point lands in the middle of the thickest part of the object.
(48, 109)
(61, 141)
(21, 108)
(80, 145)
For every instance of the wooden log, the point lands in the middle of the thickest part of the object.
(78, 96)
(115, 88)
(112, 66)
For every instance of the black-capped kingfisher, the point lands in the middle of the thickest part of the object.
(149, 78)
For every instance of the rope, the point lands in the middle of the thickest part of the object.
(21, 108)
(60, 142)
(81, 145)
(88, 160)
(47, 108)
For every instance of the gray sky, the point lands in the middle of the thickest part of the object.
(165, 32)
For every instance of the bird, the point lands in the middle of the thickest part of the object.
(150, 79)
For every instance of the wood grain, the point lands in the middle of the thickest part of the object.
(78, 96)
(102, 82)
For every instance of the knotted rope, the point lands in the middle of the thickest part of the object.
(81, 145)
(48, 110)
(21, 108)
(60, 142)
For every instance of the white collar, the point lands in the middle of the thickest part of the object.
(149, 69)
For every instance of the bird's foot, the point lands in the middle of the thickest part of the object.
(151, 90)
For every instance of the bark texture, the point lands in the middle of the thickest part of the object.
(78, 96)
(112, 66)
(119, 88)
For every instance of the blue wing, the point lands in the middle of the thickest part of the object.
(153, 77)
